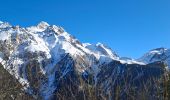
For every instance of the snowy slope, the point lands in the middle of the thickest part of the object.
(100, 49)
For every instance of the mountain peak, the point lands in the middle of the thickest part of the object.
(158, 54)
(158, 50)
(1, 22)
(43, 25)
(4, 24)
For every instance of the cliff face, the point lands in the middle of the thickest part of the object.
(47, 63)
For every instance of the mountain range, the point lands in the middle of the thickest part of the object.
(44, 62)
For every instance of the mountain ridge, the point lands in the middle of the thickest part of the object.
(42, 57)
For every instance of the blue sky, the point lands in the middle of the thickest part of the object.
(129, 27)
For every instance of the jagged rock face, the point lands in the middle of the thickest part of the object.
(51, 64)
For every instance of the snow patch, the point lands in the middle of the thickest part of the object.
(4, 36)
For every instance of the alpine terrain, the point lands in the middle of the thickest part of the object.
(44, 62)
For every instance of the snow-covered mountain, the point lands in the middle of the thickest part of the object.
(45, 59)
(159, 54)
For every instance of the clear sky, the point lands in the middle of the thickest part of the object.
(129, 27)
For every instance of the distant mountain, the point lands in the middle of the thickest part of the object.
(51, 64)
(159, 54)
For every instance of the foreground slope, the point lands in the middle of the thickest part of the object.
(10, 88)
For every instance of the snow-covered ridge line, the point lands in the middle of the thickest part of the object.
(99, 50)
(44, 30)
(53, 35)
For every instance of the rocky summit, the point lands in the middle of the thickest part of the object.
(44, 62)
